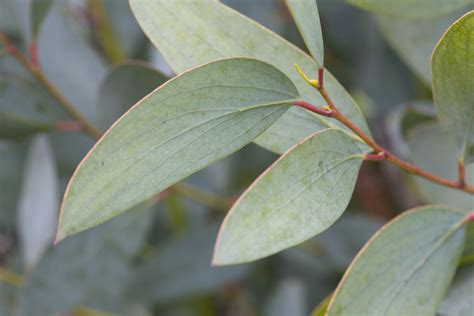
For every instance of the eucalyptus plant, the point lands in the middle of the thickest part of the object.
(238, 82)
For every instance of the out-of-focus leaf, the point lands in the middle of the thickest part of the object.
(69, 62)
(212, 30)
(123, 86)
(300, 195)
(11, 171)
(406, 268)
(345, 238)
(182, 269)
(459, 300)
(453, 78)
(403, 119)
(29, 16)
(414, 40)
(22, 111)
(306, 15)
(288, 299)
(39, 201)
(431, 149)
(192, 121)
(89, 269)
(412, 9)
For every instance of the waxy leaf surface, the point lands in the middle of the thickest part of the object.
(452, 67)
(300, 195)
(190, 122)
(306, 15)
(190, 33)
(406, 268)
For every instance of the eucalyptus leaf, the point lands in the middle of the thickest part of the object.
(208, 30)
(90, 269)
(452, 66)
(12, 156)
(22, 111)
(185, 125)
(39, 201)
(125, 85)
(414, 40)
(406, 268)
(459, 300)
(180, 269)
(303, 193)
(431, 149)
(29, 16)
(306, 15)
(468, 253)
(412, 9)
(69, 62)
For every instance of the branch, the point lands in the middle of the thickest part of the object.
(380, 153)
(39, 75)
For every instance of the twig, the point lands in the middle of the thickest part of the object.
(380, 153)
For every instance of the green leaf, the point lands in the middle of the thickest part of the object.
(430, 149)
(191, 33)
(468, 253)
(29, 16)
(414, 40)
(91, 269)
(452, 66)
(124, 86)
(39, 201)
(412, 9)
(405, 268)
(180, 269)
(306, 15)
(192, 121)
(22, 111)
(459, 299)
(300, 195)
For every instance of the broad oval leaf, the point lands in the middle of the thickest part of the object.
(39, 201)
(405, 268)
(431, 149)
(452, 68)
(209, 30)
(185, 125)
(306, 15)
(412, 9)
(122, 87)
(303, 193)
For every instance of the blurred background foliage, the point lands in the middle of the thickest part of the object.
(155, 260)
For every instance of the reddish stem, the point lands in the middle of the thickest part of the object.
(461, 174)
(312, 108)
(376, 157)
(33, 50)
(68, 126)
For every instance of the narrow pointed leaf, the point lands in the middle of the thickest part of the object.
(29, 15)
(405, 268)
(411, 9)
(452, 68)
(39, 201)
(306, 15)
(193, 120)
(300, 195)
(209, 30)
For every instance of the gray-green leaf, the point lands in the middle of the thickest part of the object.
(406, 268)
(123, 86)
(299, 196)
(190, 122)
(459, 300)
(190, 33)
(412, 9)
(452, 68)
(306, 15)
